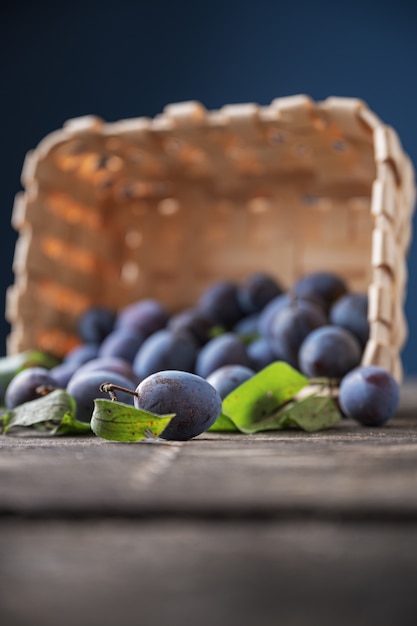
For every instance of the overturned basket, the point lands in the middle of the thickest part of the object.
(163, 207)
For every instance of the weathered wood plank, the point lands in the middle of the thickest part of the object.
(274, 528)
(101, 573)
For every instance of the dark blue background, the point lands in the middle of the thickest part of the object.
(125, 59)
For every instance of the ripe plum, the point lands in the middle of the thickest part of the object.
(351, 312)
(291, 325)
(256, 291)
(226, 378)
(82, 353)
(123, 342)
(226, 349)
(260, 353)
(247, 326)
(85, 388)
(326, 286)
(165, 350)
(95, 324)
(112, 364)
(193, 321)
(145, 316)
(329, 351)
(220, 303)
(24, 384)
(269, 312)
(194, 401)
(369, 395)
(62, 373)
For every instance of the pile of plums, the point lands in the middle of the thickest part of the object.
(186, 362)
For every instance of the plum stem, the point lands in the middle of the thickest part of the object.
(111, 387)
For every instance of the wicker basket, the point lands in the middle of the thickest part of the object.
(113, 212)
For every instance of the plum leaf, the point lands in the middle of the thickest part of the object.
(52, 414)
(223, 424)
(312, 410)
(117, 421)
(276, 398)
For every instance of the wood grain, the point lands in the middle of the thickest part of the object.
(292, 528)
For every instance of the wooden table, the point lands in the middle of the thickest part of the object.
(283, 528)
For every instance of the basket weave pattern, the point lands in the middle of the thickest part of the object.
(162, 207)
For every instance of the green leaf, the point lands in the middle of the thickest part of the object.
(278, 397)
(5, 417)
(52, 414)
(71, 426)
(216, 331)
(223, 424)
(248, 338)
(117, 421)
(257, 399)
(316, 411)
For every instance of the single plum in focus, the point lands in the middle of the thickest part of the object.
(194, 401)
